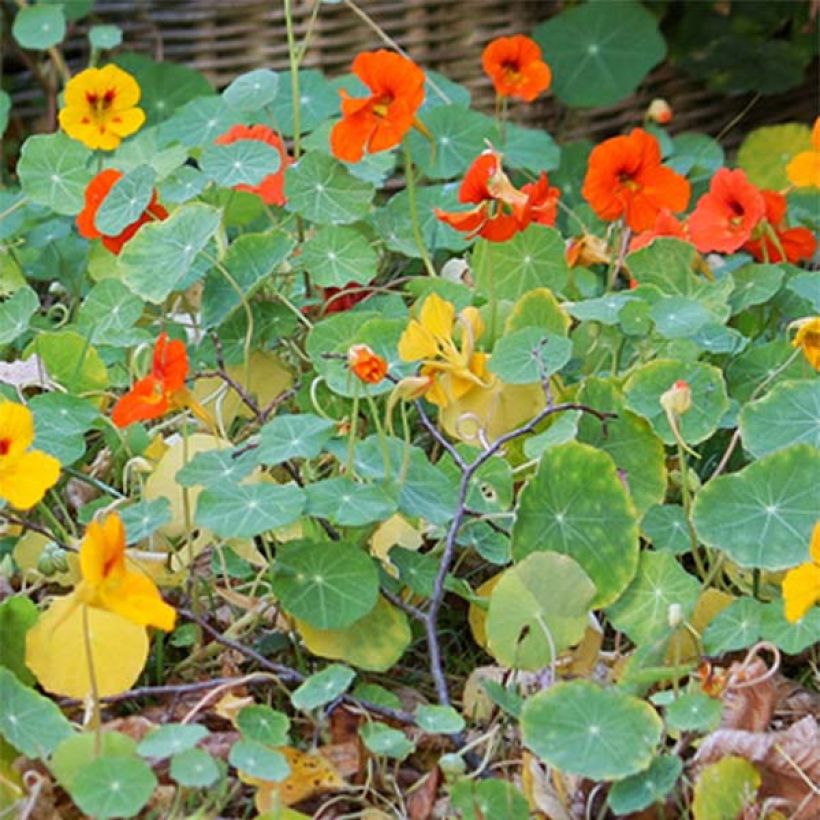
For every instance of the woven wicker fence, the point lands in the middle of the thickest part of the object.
(223, 38)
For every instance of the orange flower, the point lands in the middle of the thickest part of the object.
(808, 338)
(542, 202)
(772, 241)
(96, 191)
(725, 217)
(366, 364)
(804, 170)
(271, 190)
(625, 178)
(380, 121)
(515, 66)
(162, 390)
(666, 224)
(801, 585)
(586, 250)
(108, 584)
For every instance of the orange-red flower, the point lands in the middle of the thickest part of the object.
(724, 218)
(542, 202)
(163, 389)
(625, 177)
(271, 189)
(772, 241)
(96, 191)
(516, 67)
(804, 170)
(659, 111)
(367, 365)
(380, 121)
(666, 224)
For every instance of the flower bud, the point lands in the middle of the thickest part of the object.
(677, 399)
(366, 364)
(659, 111)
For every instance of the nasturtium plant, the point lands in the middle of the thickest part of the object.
(352, 422)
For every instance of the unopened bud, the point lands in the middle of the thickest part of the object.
(674, 616)
(659, 111)
(367, 365)
(677, 399)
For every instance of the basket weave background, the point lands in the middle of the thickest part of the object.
(223, 38)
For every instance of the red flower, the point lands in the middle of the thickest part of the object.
(337, 300)
(515, 66)
(772, 240)
(271, 190)
(96, 191)
(666, 224)
(725, 217)
(625, 178)
(160, 391)
(380, 121)
(542, 201)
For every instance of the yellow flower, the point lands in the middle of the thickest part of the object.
(453, 370)
(101, 107)
(804, 170)
(25, 474)
(108, 584)
(808, 337)
(801, 586)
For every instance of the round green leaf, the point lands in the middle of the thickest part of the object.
(258, 760)
(126, 201)
(60, 422)
(696, 156)
(329, 585)
(15, 313)
(600, 52)
(792, 638)
(763, 362)
(725, 788)
(291, 436)
(538, 608)
(789, 414)
(318, 100)
(245, 510)
(349, 503)
(665, 526)
(334, 256)
(642, 612)
(110, 311)
(52, 170)
(216, 467)
(323, 687)
(530, 148)
(183, 184)
(253, 90)
(70, 360)
(640, 790)
(645, 386)
(171, 739)
(104, 37)
(529, 355)
(40, 26)
(244, 162)
(144, 518)
(735, 627)
(694, 712)
(322, 190)
(765, 153)
(385, 741)
(763, 515)
(533, 258)
(157, 260)
(113, 787)
(576, 505)
(677, 317)
(580, 728)
(79, 750)
(263, 724)
(754, 285)
(195, 769)
(439, 720)
(198, 123)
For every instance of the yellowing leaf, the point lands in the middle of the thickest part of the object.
(374, 642)
(310, 773)
(476, 616)
(230, 705)
(682, 647)
(56, 650)
(396, 531)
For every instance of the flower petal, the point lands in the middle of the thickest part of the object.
(25, 481)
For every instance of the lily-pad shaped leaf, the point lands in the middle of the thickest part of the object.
(725, 788)
(70, 360)
(335, 256)
(789, 414)
(318, 100)
(261, 723)
(110, 311)
(183, 184)
(322, 190)
(765, 153)
(694, 712)
(60, 422)
(533, 258)
(244, 162)
(157, 260)
(600, 52)
(577, 505)
(126, 201)
(144, 518)
(736, 627)
(538, 608)
(665, 526)
(765, 362)
(645, 386)
(113, 787)
(482, 799)
(696, 156)
(31, 723)
(198, 122)
(635, 448)
(245, 510)
(642, 612)
(194, 769)
(292, 436)
(792, 638)
(754, 285)
(532, 149)
(385, 741)
(39, 27)
(78, 750)
(104, 37)
(252, 90)
(604, 309)
(562, 430)
(439, 720)
(763, 515)
(388, 636)
(677, 317)
(52, 170)
(638, 791)
(15, 313)
(806, 286)
(328, 585)
(170, 739)
(323, 687)
(581, 728)
(216, 467)
(258, 760)
(529, 355)
(348, 503)
(538, 308)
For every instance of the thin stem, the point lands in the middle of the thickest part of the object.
(19, 203)
(293, 57)
(687, 510)
(96, 722)
(409, 176)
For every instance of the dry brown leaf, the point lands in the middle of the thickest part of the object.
(422, 798)
(541, 793)
(749, 705)
(230, 705)
(135, 726)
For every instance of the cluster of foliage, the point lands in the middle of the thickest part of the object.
(318, 390)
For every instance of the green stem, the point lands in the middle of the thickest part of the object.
(351, 438)
(96, 722)
(13, 207)
(381, 434)
(687, 510)
(54, 523)
(409, 175)
(293, 57)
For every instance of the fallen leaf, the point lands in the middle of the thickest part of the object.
(422, 797)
